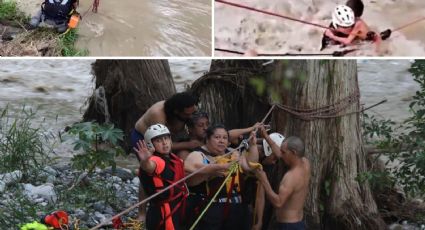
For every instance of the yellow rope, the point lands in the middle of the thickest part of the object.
(233, 168)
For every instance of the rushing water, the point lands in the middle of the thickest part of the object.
(61, 87)
(142, 27)
(240, 29)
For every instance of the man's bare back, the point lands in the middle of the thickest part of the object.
(156, 114)
(298, 179)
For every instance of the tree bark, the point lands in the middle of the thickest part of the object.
(227, 96)
(334, 146)
(125, 89)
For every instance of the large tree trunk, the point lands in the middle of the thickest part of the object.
(125, 89)
(333, 145)
(227, 96)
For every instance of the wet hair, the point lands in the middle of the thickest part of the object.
(357, 6)
(296, 145)
(195, 117)
(179, 102)
(210, 131)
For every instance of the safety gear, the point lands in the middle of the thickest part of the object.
(73, 21)
(343, 16)
(57, 10)
(34, 226)
(277, 138)
(173, 200)
(57, 219)
(155, 131)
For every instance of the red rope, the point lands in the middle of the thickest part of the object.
(409, 24)
(271, 13)
(93, 8)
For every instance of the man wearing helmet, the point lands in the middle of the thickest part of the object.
(289, 201)
(347, 27)
(160, 168)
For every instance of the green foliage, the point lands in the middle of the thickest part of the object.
(405, 148)
(10, 12)
(281, 80)
(22, 146)
(7, 10)
(99, 143)
(67, 44)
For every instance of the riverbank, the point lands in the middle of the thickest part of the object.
(101, 196)
(17, 40)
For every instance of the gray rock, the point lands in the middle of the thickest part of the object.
(51, 179)
(50, 171)
(99, 206)
(2, 186)
(80, 214)
(124, 174)
(136, 181)
(116, 179)
(11, 178)
(45, 190)
(99, 216)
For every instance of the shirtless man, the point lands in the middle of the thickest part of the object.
(293, 188)
(173, 113)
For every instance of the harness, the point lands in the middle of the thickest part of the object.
(172, 172)
(57, 11)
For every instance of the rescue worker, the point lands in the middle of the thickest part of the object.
(55, 13)
(158, 169)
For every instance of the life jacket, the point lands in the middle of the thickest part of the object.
(169, 169)
(57, 219)
(210, 187)
(57, 10)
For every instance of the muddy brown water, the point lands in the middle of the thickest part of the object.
(147, 28)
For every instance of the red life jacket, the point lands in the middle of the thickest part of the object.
(168, 171)
(57, 219)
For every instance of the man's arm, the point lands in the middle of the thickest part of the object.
(145, 154)
(275, 148)
(235, 133)
(186, 145)
(345, 41)
(194, 162)
(285, 189)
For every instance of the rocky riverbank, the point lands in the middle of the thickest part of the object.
(97, 198)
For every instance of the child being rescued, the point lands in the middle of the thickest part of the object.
(158, 169)
(347, 26)
(56, 13)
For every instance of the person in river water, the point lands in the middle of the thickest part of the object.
(55, 13)
(348, 27)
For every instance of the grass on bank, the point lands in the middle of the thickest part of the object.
(39, 42)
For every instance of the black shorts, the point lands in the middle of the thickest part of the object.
(155, 219)
(219, 216)
(291, 226)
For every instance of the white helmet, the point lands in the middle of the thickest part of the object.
(343, 16)
(277, 138)
(155, 131)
